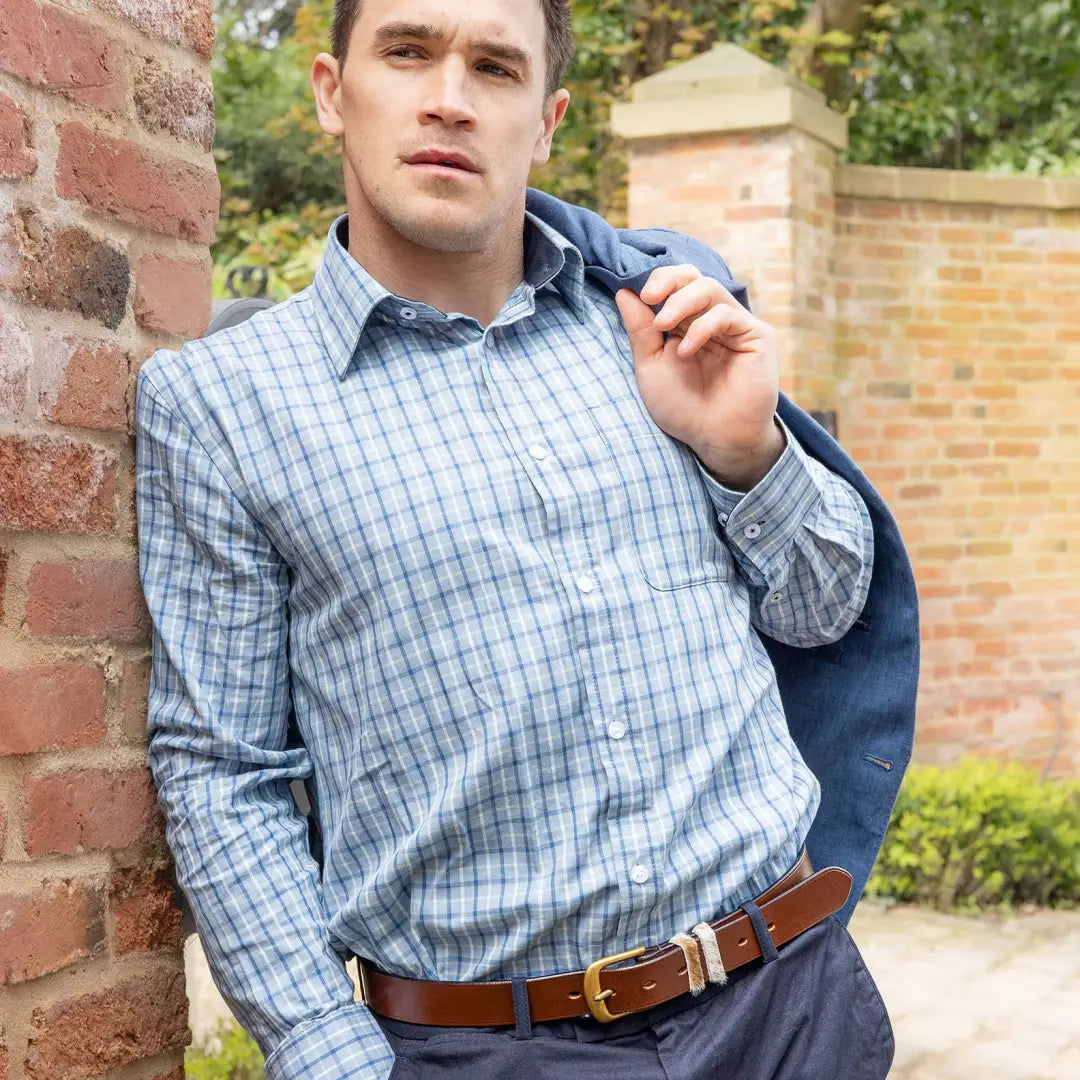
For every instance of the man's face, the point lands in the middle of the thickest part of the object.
(453, 76)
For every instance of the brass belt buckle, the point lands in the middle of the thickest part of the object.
(596, 998)
(365, 993)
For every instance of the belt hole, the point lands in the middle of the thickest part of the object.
(682, 971)
(771, 927)
(649, 986)
(742, 942)
(575, 995)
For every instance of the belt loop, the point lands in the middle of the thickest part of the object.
(761, 931)
(522, 1016)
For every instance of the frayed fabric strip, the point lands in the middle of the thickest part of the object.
(694, 969)
(714, 962)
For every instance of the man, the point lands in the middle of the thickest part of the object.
(481, 551)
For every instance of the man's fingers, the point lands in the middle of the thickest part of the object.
(689, 300)
(637, 317)
(664, 280)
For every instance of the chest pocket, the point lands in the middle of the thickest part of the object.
(672, 520)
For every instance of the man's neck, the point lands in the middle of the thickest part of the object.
(475, 283)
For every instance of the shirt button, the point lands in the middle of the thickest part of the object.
(752, 531)
(585, 583)
(639, 873)
(616, 729)
(776, 597)
(407, 313)
(538, 452)
(723, 519)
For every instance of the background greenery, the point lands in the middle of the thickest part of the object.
(953, 84)
(981, 835)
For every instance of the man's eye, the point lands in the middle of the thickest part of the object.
(402, 49)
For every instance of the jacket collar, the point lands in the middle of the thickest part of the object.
(346, 295)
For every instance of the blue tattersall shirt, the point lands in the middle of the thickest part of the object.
(456, 579)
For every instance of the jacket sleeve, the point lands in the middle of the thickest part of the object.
(218, 713)
(803, 541)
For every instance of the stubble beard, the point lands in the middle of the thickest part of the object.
(453, 231)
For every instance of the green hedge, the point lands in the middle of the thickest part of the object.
(228, 1053)
(981, 834)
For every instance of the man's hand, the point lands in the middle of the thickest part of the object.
(714, 383)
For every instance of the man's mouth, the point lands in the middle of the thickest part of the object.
(441, 161)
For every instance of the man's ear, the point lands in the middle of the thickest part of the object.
(552, 117)
(326, 86)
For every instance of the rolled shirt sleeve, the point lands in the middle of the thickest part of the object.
(803, 540)
(218, 713)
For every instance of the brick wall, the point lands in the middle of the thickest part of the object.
(958, 327)
(934, 317)
(108, 202)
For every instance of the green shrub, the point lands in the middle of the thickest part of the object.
(981, 834)
(236, 1056)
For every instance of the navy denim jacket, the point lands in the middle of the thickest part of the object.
(851, 705)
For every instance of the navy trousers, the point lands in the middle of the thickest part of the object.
(810, 1011)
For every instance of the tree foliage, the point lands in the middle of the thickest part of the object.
(941, 83)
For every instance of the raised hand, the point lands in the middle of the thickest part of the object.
(714, 382)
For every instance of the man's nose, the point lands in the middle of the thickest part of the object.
(447, 95)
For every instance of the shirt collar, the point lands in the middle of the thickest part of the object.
(346, 294)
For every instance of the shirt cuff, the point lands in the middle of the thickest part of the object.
(346, 1044)
(763, 521)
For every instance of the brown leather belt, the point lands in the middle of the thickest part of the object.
(799, 900)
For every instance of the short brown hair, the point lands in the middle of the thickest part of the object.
(560, 36)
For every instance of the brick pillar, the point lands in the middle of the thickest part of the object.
(108, 202)
(731, 150)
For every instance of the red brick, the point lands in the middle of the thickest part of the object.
(121, 179)
(967, 450)
(90, 598)
(4, 555)
(173, 295)
(190, 23)
(1017, 449)
(177, 103)
(17, 156)
(84, 383)
(920, 491)
(94, 809)
(22, 45)
(63, 268)
(143, 905)
(56, 484)
(63, 52)
(755, 213)
(16, 360)
(134, 692)
(49, 929)
(90, 1035)
(83, 61)
(51, 707)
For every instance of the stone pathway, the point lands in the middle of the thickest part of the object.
(987, 998)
